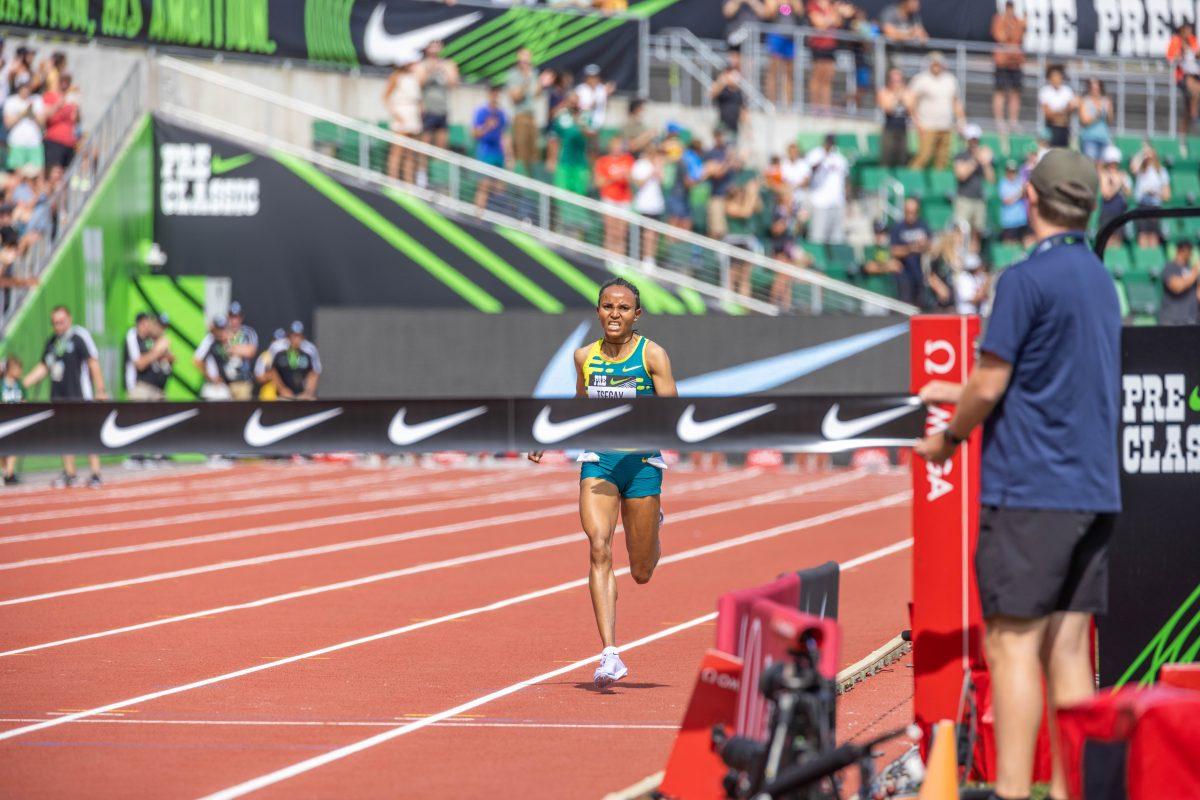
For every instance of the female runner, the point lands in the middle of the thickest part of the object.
(621, 364)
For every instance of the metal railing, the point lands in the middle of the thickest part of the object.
(464, 185)
(95, 154)
(691, 65)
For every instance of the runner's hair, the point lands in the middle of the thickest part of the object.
(637, 297)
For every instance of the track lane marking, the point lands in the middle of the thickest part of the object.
(769, 533)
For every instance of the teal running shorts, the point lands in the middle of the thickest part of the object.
(631, 473)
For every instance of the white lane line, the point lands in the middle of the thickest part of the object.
(336, 547)
(452, 723)
(416, 569)
(803, 524)
(310, 764)
(293, 526)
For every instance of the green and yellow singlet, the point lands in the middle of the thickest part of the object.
(626, 378)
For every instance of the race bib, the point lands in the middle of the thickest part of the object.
(612, 387)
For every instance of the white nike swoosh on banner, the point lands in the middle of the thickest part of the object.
(548, 432)
(401, 433)
(111, 435)
(14, 425)
(381, 47)
(689, 430)
(259, 435)
(834, 428)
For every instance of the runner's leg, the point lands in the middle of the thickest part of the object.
(599, 503)
(640, 518)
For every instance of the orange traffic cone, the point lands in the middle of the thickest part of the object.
(941, 770)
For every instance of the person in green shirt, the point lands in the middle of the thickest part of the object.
(11, 391)
(567, 159)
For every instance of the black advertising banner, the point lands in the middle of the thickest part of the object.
(483, 39)
(812, 423)
(1154, 584)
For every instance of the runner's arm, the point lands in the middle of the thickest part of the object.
(659, 367)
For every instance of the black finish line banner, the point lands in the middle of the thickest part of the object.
(809, 423)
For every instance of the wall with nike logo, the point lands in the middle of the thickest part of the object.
(464, 354)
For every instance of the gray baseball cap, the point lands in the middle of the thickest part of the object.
(1067, 177)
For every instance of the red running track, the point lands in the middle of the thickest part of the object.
(321, 631)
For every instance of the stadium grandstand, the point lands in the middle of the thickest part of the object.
(346, 304)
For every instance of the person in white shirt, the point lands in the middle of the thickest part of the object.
(1151, 189)
(648, 197)
(593, 98)
(936, 109)
(970, 286)
(796, 174)
(827, 193)
(1059, 104)
(25, 118)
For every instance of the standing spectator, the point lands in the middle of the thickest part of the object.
(593, 96)
(738, 12)
(296, 366)
(612, 174)
(1014, 213)
(970, 286)
(264, 368)
(1008, 31)
(402, 98)
(212, 359)
(781, 53)
(726, 92)
(743, 206)
(522, 86)
(822, 15)
(1059, 103)
(972, 167)
(1183, 52)
(62, 122)
(827, 193)
(855, 21)
(910, 240)
(1116, 188)
(72, 362)
(648, 198)
(438, 76)
(148, 359)
(24, 118)
(1151, 188)
(243, 348)
(720, 171)
(1095, 112)
(558, 88)
(936, 109)
(1181, 297)
(946, 258)
(638, 135)
(893, 99)
(782, 247)
(488, 128)
(11, 391)
(901, 23)
(797, 176)
(566, 149)
(680, 176)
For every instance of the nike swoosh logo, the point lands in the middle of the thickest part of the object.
(1194, 399)
(401, 433)
(114, 436)
(631, 369)
(548, 432)
(259, 435)
(833, 428)
(219, 166)
(689, 430)
(21, 423)
(381, 47)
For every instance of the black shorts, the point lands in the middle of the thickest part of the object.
(433, 122)
(1031, 563)
(1009, 79)
(58, 154)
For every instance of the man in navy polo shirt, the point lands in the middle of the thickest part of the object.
(1046, 390)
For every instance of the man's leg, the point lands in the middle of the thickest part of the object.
(925, 142)
(1013, 647)
(69, 465)
(1066, 656)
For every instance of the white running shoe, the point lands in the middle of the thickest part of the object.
(611, 668)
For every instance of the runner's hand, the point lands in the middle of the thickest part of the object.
(535, 456)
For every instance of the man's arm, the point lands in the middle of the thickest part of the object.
(310, 385)
(97, 378)
(1179, 284)
(35, 375)
(975, 400)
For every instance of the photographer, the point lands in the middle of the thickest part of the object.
(148, 359)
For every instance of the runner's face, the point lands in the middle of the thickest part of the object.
(618, 312)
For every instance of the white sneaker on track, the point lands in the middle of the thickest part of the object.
(611, 668)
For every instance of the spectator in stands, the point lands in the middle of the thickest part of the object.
(683, 169)
(1059, 104)
(1181, 290)
(1116, 187)
(559, 86)
(488, 127)
(24, 119)
(910, 240)
(855, 21)
(648, 199)
(11, 391)
(1095, 113)
(827, 193)
(726, 93)
(62, 122)
(894, 99)
(741, 209)
(566, 149)
(1008, 31)
(1014, 211)
(720, 170)
(936, 109)
(21, 70)
(593, 96)
(824, 16)
(523, 87)
(72, 362)
(738, 12)
(212, 359)
(402, 98)
(612, 177)
(148, 359)
(971, 285)
(946, 258)
(781, 53)
(438, 76)
(243, 348)
(901, 23)
(972, 167)
(781, 241)
(638, 135)
(796, 175)
(1183, 52)
(1151, 188)
(879, 259)
(296, 366)
(264, 369)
